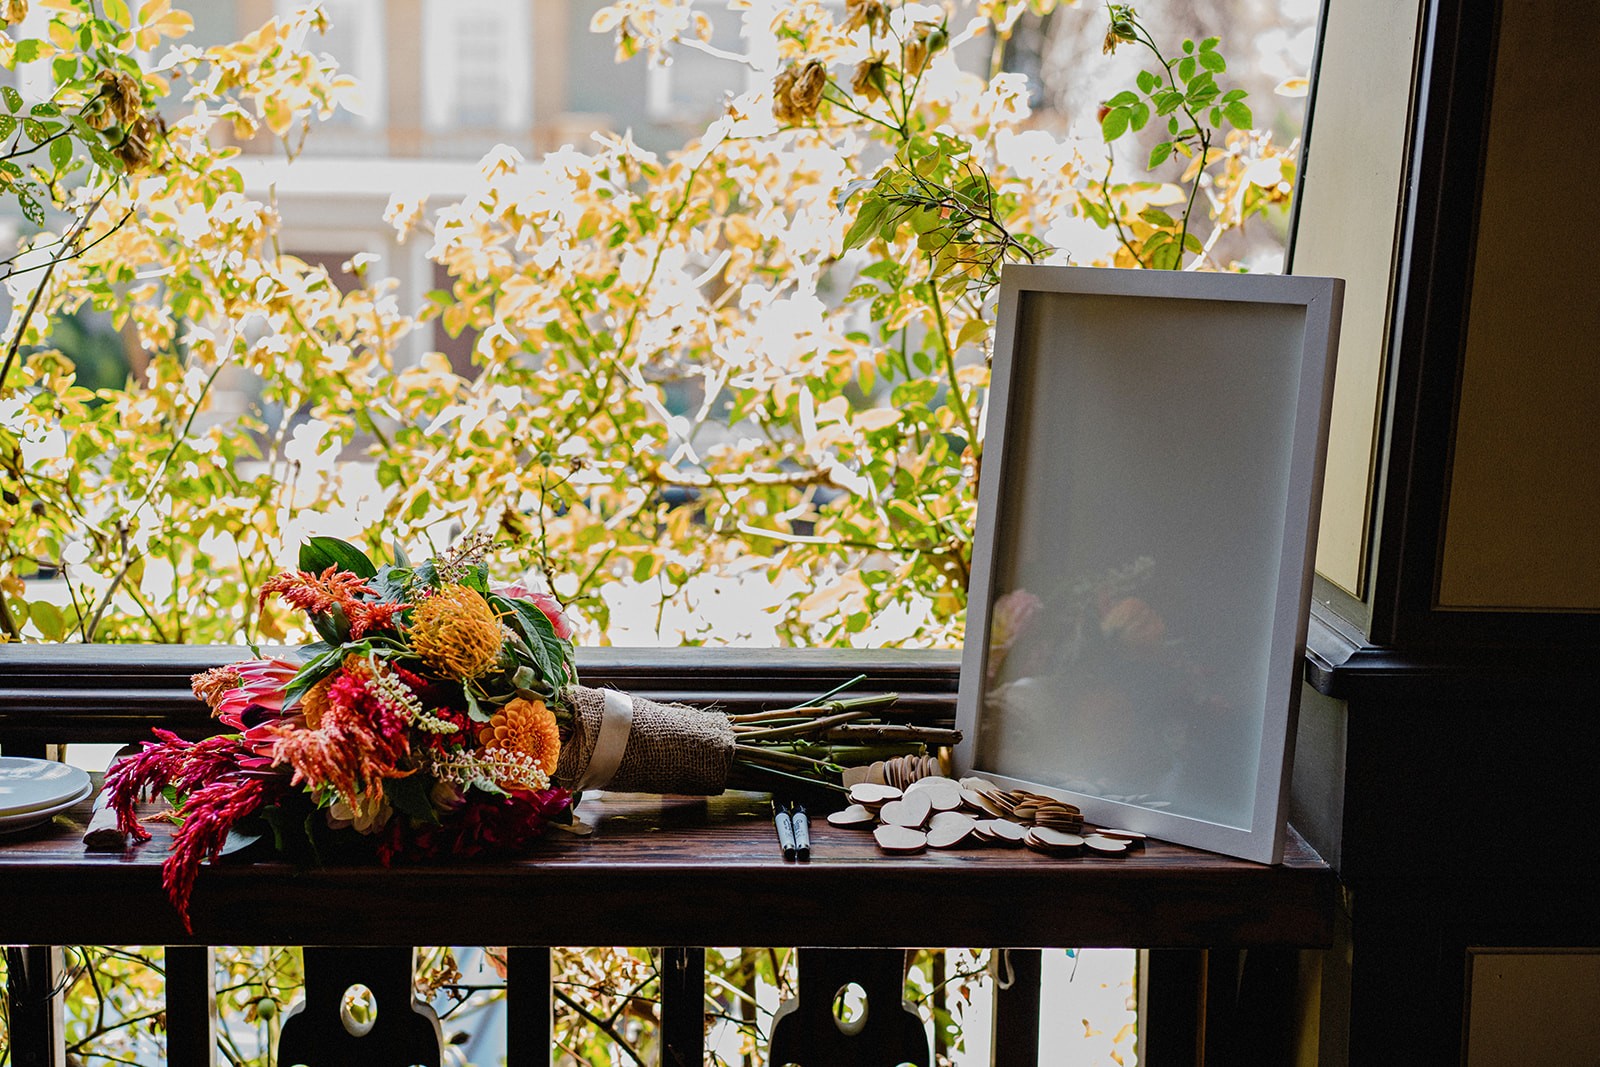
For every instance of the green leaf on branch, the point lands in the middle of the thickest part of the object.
(1115, 124)
(1238, 115)
(12, 98)
(320, 553)
(868, 219)
(1159, 154)
(1156, 217)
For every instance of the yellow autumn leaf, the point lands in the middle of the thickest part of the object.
(830, 595)
(876, 419)
(278, 115)
(737, 230)
(174, 24)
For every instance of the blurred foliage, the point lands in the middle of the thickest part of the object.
(760, 362)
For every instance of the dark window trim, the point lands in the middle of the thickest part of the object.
(56, 694)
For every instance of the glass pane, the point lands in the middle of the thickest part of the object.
(1137, 558)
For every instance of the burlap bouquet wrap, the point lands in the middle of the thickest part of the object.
(670, 748)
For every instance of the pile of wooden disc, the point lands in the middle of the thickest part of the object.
(938, 812)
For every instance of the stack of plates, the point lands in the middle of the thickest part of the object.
(33, 790)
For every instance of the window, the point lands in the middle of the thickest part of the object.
(477, 65)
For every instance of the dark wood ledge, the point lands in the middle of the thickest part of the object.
(675, 870)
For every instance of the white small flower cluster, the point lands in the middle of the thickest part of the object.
(505, 767)
(398, 698)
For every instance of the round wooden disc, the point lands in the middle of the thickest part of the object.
(1106, 845)
(1054, 838)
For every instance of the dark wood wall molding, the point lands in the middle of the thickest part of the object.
(51, 694)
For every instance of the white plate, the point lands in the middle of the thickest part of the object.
(28, 785)
(10, 824)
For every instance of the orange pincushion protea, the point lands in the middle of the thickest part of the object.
(456, 633)
(525, 726)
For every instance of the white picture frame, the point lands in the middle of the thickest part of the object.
(1142, 562)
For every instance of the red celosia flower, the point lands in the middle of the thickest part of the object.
(219, 781)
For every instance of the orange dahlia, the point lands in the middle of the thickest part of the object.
(525, 726)
(456, 633)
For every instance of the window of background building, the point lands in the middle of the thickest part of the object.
(477, 65)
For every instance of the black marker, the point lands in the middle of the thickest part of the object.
(802, 833)
(785, 831)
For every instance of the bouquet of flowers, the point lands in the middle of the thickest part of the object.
(440, 716)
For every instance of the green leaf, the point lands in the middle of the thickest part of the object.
(12, 98)
(312, 673)
(320, 553)
(1192, 243)
(644, 567)
(907, 394)
(1213, 62)
(50, 620)
(1210, 44)
(1141, 115)
(1238, 115)
(1123, 99)
(44, 110)
(1186, 67)
(1159, 154)
(30, 206)
(1156, 217)
(409, 796)
(61, 152)
(975, 330)
(1147, 82)
(1115, 124)
(8, 125)
(28, 50)
(867, 220)
(1168, 257)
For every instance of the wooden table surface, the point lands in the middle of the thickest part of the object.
(674, 871)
